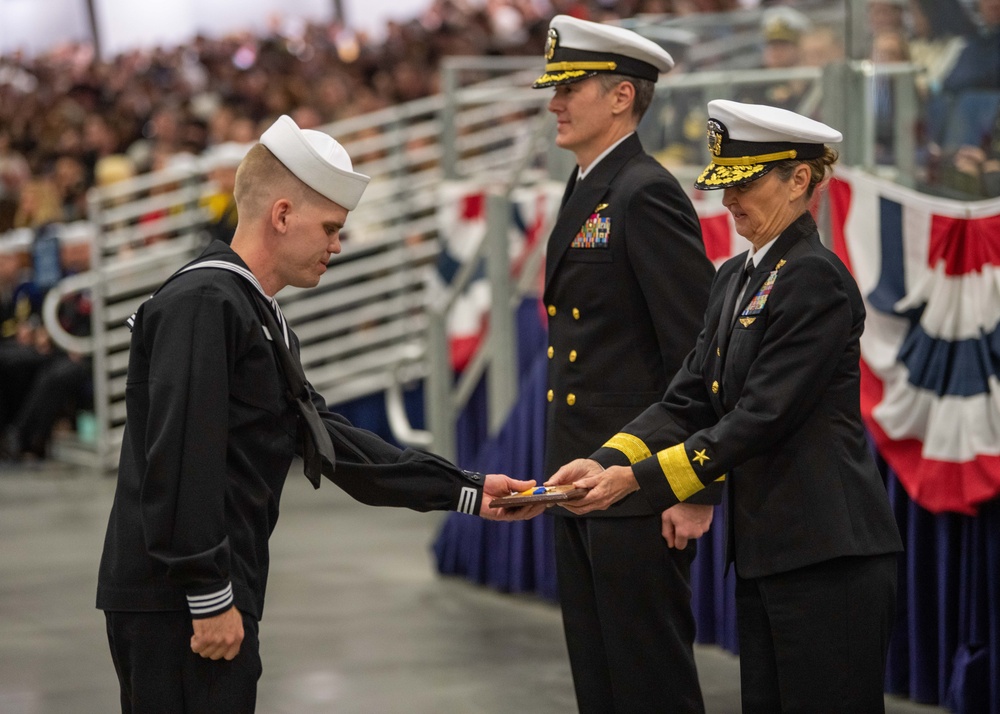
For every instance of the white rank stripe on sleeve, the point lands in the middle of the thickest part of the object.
(467, 501)
(213, 602)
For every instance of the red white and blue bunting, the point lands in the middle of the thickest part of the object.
(929, 270)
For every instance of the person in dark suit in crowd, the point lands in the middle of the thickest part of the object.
(626, 283)
(40, 383)
(978, 65)
(782, 28)
(770, 397)
(217, 407)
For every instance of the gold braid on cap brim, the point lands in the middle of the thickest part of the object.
(716, 176)
(561, 76)
(561, 72)
(548, 79)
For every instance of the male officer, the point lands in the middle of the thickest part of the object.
(217, 409)
(782, 28)
(626, 284)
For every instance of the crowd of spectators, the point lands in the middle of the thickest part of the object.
(63, 112)
(955, 47)
(70, 120)
(40, 384)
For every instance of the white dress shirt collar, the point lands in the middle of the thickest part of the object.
(584, 172)
(757, 255)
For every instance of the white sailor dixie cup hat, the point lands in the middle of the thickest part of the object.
(747, 141)
(577, 49)
(317, 160)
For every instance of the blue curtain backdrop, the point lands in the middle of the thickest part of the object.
(945, 646)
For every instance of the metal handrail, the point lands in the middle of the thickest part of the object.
(81, 344)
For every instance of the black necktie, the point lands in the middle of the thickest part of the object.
(744, 284)
(318, 456)
(572, 189)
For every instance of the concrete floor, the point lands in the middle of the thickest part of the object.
(357, 621)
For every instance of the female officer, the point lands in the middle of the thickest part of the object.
(769, 401)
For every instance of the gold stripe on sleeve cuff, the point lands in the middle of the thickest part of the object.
(633, 447)
(677, 468)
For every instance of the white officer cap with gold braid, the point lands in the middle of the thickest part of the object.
(784, 24)
(577, 49)
(317, 160)
(747, 140)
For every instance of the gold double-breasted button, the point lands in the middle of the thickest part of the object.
(572, 355)
(718, 352)
(715, 387)
(552, 310)
(576, 313)
(551, 395)
(571, 399)
(552, 352)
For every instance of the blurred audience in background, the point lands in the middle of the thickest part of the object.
(40, 384)
(70, 121)
(221, 162)
(65, 112)
(888, 46)
(961, 99)
(782, 30)
(822, 46)
(887, 16)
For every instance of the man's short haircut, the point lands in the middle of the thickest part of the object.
(261, 179)
(644, 89)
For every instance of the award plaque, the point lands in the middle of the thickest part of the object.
(540, 494)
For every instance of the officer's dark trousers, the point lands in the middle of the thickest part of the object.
(626, 605)
(814, 640)
(159, 674)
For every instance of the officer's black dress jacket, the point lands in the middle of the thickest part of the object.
(624, 306)
(209, 439)
(772, 401)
